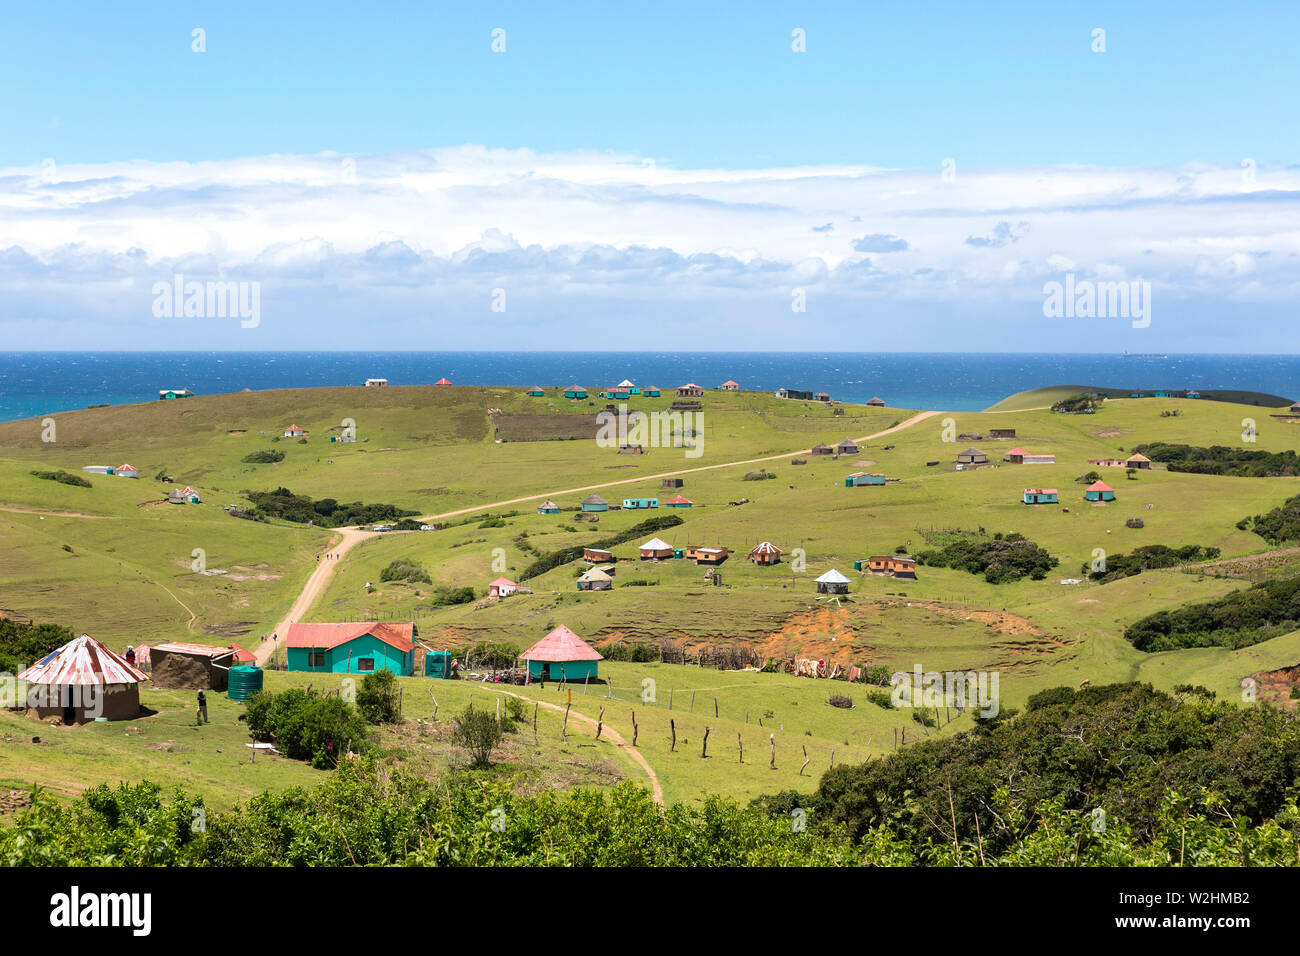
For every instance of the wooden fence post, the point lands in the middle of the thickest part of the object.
(600, 722)
(805, 761)
(672, 725)
(740, 745)
(772, 765)
(535, 706)
(564, 731)
(704, 751)
(634, 728)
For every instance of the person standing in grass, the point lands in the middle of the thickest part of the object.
(203, 707)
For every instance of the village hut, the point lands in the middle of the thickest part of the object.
(293, 431)
(597, 555)
(1137, 461)
(1002, 433)
(177, 665)
(1040, 496)
(729, 386)
(972, 456)
(81, 681)
(594, 502)
(575, 392)
(766, 553)
(548, 507)
(678, 501)
(847, 447)
(594, 579)
(822, 449)
(690, 390)
(1099, 491)
(832, 582)
(443, 381)
(562, 655)
(502, 587)
(656, 549)
(876, 402)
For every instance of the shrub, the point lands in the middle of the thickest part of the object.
(761, 475)
(408, 571)
(63, 477)
(306, 725)
(1135, 523)
(265, 457)
(378, 698)
(840, 700)
(477, 732)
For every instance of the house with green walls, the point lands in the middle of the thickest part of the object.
(352, 648)
(562, 655)
(1099, 491)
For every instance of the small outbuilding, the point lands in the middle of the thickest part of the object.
(876, 402)
(597, 555)
(293, 431)
(562, 655)
(1040, 496)
(729, 386)
(1002, 433)
(1138, 461)
(972, 456)
(690, 390)
(678, 501)
(847, 447)
(594, 579)
(536, 392)
(640, 504)
(548, 507)
(502, 587)
(178, 665)
(861, 478)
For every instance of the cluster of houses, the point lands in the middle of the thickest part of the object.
(1132, 461)
(595, 503)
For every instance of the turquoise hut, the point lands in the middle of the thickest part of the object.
(575, 391)
(562, 655)
(635, 504)
(1099, 491)
(860, 478)
(359, 648)
(536, 392)
(594, 503)
(1041, 496)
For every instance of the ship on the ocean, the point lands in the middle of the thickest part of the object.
(1140, 355)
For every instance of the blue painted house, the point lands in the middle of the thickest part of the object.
(536, 392)
(594, 503)
(575, 391)
(562, 655)
(548, 507)
(360, 648)
(635, 504)
(650, 392)
(1041, 496)
(860, 478)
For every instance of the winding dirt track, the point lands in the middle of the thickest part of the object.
(350, 537)
(656, 790)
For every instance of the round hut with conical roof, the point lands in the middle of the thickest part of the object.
(561, 655)
(81, 681)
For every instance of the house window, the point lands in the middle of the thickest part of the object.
(365, 663)
(315, 658)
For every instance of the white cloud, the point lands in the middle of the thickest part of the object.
(574, 235)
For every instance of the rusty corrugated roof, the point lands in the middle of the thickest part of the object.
(83, 660)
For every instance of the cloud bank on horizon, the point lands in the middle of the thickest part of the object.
(472, 247)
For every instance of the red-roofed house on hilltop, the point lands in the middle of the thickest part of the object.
(729, 386)
(503, 587)
(442, 381)
(83, 680)
(293, 431)
(562, 655)
(358, 648)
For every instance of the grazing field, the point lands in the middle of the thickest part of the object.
(116, 560)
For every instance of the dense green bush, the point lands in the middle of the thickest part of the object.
(1000, 558)
(1234, 620)
(1147, 558)
(1078, 405)
(1223, 460)
(64, 477)
(325, 512)
(25, 644)
(264, 457)
(411, 572)
(305, 725)
(378, 699)
(1279, 526)
(477, 732)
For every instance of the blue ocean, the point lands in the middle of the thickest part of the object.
(38, 383)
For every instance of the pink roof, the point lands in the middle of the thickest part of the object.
(243, 656)
(1100, 486)
(500, 581)
(1040, 491)
(730, 382)
(293, 428)
(204, 650)
(83, 660)
(442, 381)
(126, 468)
(187, 490)
(678, 500)
(1017, 451)
(562, 645)
(398, 634)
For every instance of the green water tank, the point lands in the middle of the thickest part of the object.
(245, 681)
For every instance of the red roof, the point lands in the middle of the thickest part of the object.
(678, 500)
(500, 581)
(442, 381)
(83, 660)
(730, 382)
(398, 634)
(1017, 451)
(243, 656)
(1040, 491)
(560, 646)
(1100, 486)
(126, 468)
(199, 650)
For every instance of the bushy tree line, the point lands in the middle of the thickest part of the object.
(1235, 461)
(1022, 782)
(325, 512)
(1147, 558)
(1234, 620)
(1000, 559)
(1279, 526)
(24, 644)
(63, 477)
(1077, 405)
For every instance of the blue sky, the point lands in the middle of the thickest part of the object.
(890, 84)
(677, 164)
